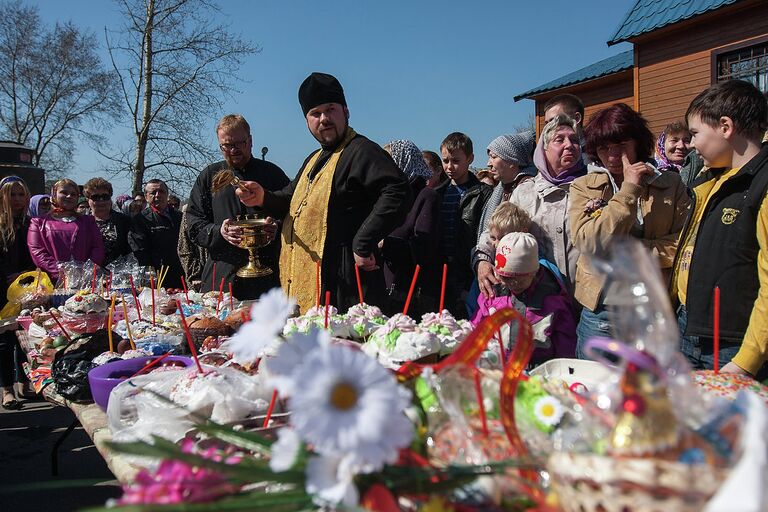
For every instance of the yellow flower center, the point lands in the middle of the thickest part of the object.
(547, 410)
(343, 396)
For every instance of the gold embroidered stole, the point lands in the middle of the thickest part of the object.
(305, 226)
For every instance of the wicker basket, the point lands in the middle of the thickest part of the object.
(586, 482)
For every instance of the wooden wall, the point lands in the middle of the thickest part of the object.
(595, 94)
(675, 64)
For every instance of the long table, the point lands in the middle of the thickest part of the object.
(92, 419)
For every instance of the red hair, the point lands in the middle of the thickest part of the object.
(616, 124)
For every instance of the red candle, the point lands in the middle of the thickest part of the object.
(189, 340)
(184, 284)
(135, 298)
(442, 288)
(716, 333)
(327, 306)
(152, 287)
(410, 291)
(150, 365)
(63, 330)
(221, 295)
(270, 409)
(359, 284)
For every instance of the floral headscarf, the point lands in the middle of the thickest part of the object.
(662, 162)
(409, 159)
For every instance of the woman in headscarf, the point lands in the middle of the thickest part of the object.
(622, 195)
(410, 160)
(14, 259)
(509, 158)
(416, 237)
(63, 234)
(673, 146)
(39, 205)
(557, 158)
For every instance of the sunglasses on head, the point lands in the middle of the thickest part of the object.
(100, 197)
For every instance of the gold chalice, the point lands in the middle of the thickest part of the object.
(256, 232)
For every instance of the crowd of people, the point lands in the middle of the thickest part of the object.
(520, 233)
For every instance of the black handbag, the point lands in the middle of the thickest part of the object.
(71, 365)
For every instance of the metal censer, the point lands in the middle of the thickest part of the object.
(255, 234)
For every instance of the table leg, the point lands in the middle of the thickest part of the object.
(57, 445)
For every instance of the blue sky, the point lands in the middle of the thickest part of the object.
(411, 69)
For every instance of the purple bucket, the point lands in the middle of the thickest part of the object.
(105, 377)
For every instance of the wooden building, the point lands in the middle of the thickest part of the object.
(680, 47)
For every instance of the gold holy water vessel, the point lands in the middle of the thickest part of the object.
(256, 233)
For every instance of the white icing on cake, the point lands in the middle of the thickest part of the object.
(83, 303)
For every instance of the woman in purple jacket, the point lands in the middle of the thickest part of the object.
(63, 234)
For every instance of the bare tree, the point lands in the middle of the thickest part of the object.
(175, 68)
(529, 124)
(54, 88)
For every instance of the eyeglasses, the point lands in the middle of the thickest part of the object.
(100, 197)
(229, 146)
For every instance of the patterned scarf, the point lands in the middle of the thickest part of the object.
(662, 162)
(409, 159)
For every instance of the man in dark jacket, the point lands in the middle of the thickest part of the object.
(154, 233)
(209, 214)
(348, 196)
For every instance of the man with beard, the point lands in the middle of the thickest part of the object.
(348, 196)
(209, 214)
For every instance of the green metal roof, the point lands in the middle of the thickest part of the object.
(620, 62)
(649, 15)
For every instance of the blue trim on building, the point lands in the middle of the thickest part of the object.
(620, 62)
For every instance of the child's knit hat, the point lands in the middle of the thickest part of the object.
(517, 254)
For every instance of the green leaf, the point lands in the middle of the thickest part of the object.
(245, 440)
(246, 471)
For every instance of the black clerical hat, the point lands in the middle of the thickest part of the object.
(320, 88)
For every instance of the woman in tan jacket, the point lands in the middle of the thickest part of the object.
(621, 195)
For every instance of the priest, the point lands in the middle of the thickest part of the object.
(347, 197)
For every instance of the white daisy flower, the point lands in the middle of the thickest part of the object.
(251, 342)
(260, 336)
(548, 410)
(290, 355)
(344, 402)
(284, 450)
(272, 310)
(331, 480)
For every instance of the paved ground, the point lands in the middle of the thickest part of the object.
(26, 439)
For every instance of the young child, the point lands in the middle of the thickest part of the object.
(505, 219)
(724, 241)
(535, 292)
(461, 200)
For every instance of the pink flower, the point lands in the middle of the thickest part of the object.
(178, 482)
